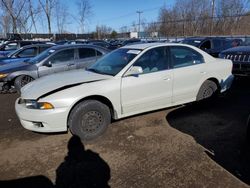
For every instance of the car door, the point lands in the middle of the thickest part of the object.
(60, 61)
(87, 56)
(150, 90)
(188, 69)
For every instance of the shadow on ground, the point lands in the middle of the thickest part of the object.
(220, 126)
(81, 168)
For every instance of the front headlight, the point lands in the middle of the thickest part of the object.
(33, 104)
(3, 75)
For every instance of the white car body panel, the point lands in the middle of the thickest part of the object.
(146, 92)
(129, 95)
(59, 80)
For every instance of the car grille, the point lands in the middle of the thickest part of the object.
(244, 58)
(241, 63)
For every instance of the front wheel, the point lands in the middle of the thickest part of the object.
(89, 119)
(21, 81)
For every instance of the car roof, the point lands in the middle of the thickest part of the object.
(143, 46)
(23, 41)
(69, 46)
(196, 38)
(205, 38)
(38, 45)
(237, 49)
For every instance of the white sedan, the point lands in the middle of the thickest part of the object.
(128, 81)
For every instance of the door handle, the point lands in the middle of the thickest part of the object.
(166, 79)
(203, 72)
(70, 64)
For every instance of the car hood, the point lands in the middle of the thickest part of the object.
(237, 49)
(55, 82)
(4, 61)
(11, 67)
(5, 53)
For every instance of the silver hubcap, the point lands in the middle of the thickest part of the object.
(91, 121)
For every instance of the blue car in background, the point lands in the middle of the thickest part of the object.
(10, 46)
(24, 53)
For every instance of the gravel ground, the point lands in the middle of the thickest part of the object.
(195, 145)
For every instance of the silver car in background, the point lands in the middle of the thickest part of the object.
(56, 59)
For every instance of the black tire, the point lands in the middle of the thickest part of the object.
(89, 119)
(207, 90)
(21, 81)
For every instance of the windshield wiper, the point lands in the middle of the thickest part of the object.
(93, 70)
(97, 71)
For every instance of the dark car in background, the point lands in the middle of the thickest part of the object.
(103, 44)
(53, 60)
(212, 45)
(240, 57)
(130, 41)
(24, 53)
(10, 46)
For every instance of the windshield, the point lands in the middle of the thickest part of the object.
(41, 56)
(114, 62)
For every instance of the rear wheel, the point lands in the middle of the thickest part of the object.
(207, 90)
(21, 81)
(89, 119)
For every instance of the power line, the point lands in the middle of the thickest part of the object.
(139, 13)
(128, 14)
(191, 20)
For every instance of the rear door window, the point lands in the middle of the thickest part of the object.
(62, 56)
(86, 53)
(184, 56)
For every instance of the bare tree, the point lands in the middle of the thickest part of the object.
(103, 31)
(13, 9)
(230, 13)
(34, 11)
(61, 17)
(124, 29)
(47, 7)
(5, 23)
(84, 12)
(134, 27)
(202, 17)
(152, 28)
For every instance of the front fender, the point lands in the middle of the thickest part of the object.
(13, 75)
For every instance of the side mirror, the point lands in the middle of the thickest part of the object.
(48, 64)
(134, 71)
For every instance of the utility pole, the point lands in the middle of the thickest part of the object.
(139, 14)
(212, 18)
